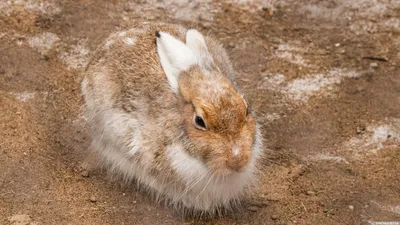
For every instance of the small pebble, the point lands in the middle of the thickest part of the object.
(260, 204)
(351, 207)
(231, 45)
(274, 217)
(358, 131)
(85, 173)
(337, 45)
(325, 210)
(373, 65)
(253, 208)
(93, 199)
(21, 219)
(276, 40)
(310, 193)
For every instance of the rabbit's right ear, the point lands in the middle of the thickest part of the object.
(175, 57)
(195, 40)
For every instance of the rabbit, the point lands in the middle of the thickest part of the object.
(164, 110)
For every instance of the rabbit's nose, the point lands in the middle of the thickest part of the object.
(238, 159)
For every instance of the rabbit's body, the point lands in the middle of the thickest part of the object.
(138, 120)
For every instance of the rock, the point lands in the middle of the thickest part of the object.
(274, 217)
(21, 219)
(358, 131)
(231, 44)
(275, 40)
(93, 199)
(252, 208)
(260, 204)
(85, 173)
(310, 192)
(337, 45)
(325, 210)
(373, 65)
(297, 171)
(351, 207)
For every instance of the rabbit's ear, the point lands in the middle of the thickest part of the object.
(196, 42)
(175, 57)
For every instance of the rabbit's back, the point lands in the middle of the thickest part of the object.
(127, 63)
(126, 96)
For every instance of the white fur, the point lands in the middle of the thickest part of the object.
(196, 42)
(175, 57)
(203, 189)
(136, 143)
(108, 43)
(236, 151)
(129, 41)
(186, 165)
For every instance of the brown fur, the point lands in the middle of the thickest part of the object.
(225, 116)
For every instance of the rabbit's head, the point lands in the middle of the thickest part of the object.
(217, 120)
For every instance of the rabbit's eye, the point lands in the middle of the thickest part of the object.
(199, 122)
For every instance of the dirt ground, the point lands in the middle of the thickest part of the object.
(322, 76)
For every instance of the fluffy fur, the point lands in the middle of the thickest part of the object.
(141, 98)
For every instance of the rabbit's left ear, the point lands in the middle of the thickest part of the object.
(175, 57)
(196, 42)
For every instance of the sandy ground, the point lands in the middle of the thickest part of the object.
(323, 79)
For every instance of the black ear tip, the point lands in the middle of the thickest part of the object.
(158, 34)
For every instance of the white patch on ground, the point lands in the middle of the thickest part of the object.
(290, 53)
(43, 42)
(392, 24)
(293, 58)
(186, 10)
(364, 16)
(302, 89)
(376, 137)
(272, 82)
(345, 9)
(270, 117)
(390, 208)
(363, 26)
(24, 96)
(21, 219)
(48, 7)
(257, 5)
(76, 56)
(290, 47)
(329, 158)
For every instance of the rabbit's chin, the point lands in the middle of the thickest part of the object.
(206, 190)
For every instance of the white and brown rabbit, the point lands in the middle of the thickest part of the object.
(164, 110)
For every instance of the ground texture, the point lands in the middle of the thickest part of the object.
(323, 79)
